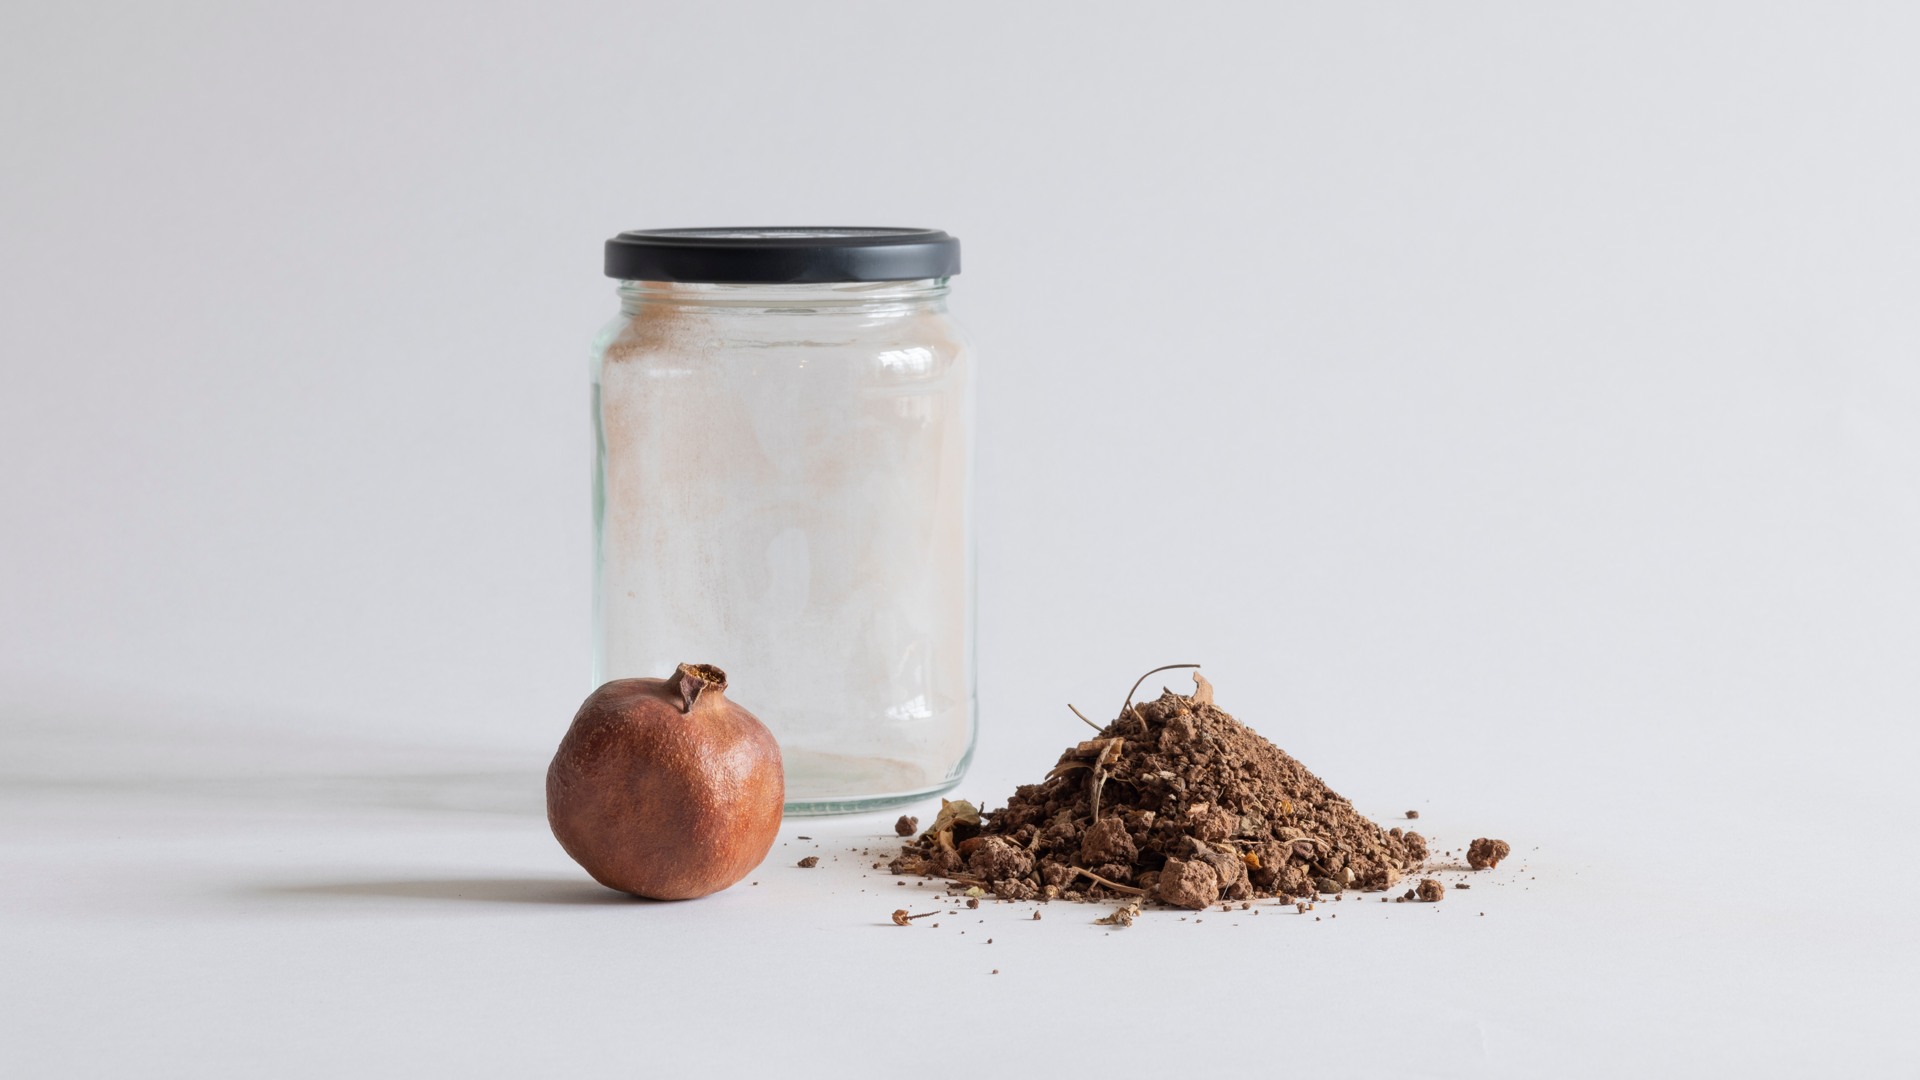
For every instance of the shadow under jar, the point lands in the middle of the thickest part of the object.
(783, 488)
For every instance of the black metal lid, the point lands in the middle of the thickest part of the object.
(782, 255)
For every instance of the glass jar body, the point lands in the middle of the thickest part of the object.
(783, 488)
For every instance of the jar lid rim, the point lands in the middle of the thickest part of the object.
(782, 254)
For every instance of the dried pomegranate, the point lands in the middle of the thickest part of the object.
(665, 789)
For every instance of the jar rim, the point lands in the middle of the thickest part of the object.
(824, 296)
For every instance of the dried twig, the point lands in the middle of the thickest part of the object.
(1099, 778)
(1114, 885)
(1128, 707)
(1083, 717)
(901, 918)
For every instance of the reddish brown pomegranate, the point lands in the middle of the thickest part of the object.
(665, 789)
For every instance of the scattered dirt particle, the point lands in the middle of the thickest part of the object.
(1122, 915)
(1413, 815)
(1484, 853)
(810, 862)
(906, 825)
(973, 901)
(1431, 890)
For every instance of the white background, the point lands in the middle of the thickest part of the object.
(1512, 405)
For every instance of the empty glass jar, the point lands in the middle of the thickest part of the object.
(782, 488)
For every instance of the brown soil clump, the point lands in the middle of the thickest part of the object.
(1483, 853)
(1430, 890)
(1174, 801)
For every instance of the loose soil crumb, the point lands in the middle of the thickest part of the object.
(1122, 915)
(906, 825)
(1483, 853)
(1412, 815)
(1175, 801)
(810, 862)
(1431, 890)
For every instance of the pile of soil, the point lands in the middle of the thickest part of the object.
(1174, 801)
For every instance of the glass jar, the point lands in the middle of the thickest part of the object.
(783, 488)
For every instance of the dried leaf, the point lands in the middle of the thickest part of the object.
(1066, 767)
(952, 813)
(956, 812)
(1122, 915)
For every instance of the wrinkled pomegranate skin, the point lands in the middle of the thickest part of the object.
(661, 803)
